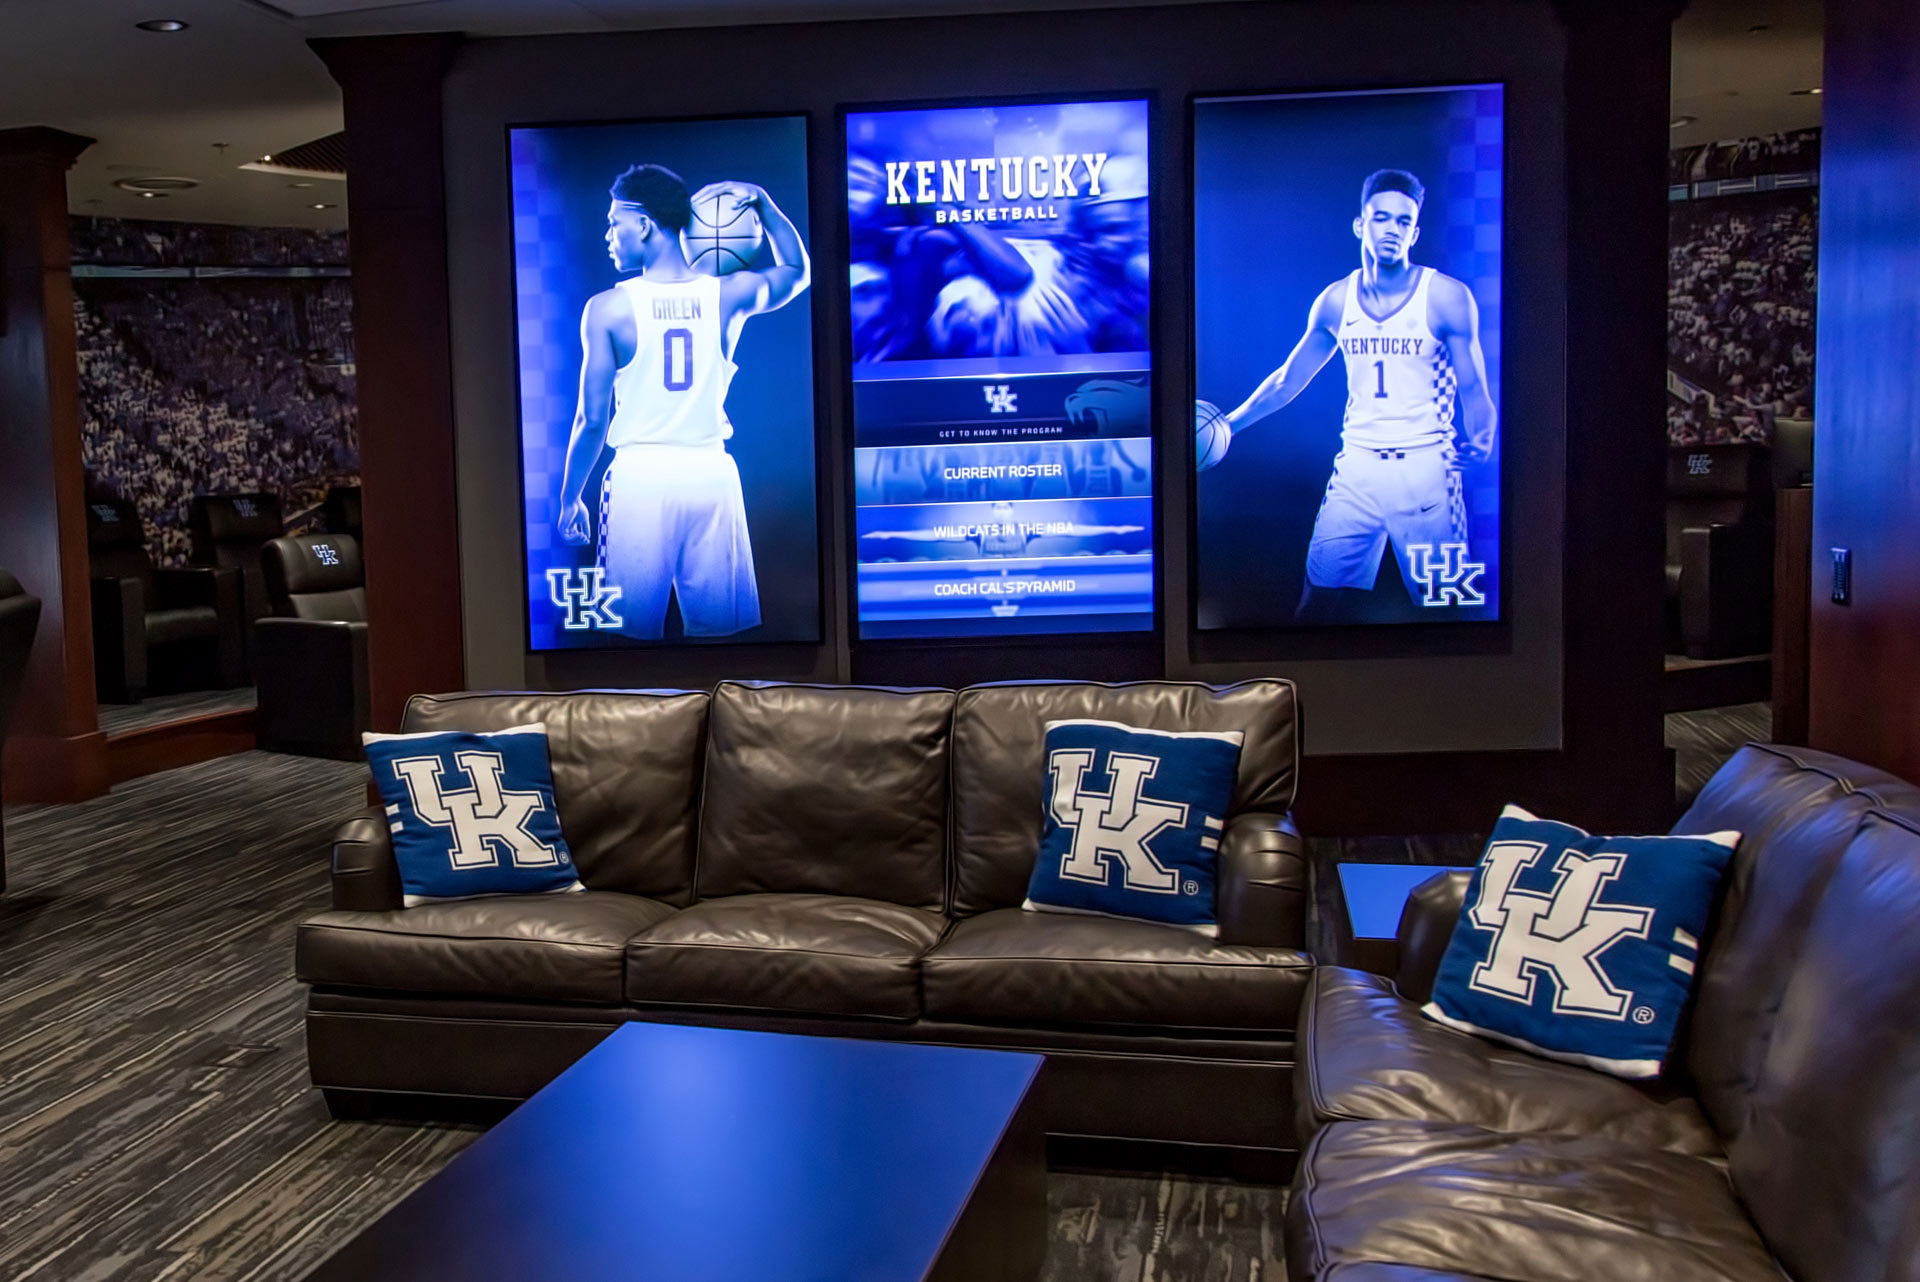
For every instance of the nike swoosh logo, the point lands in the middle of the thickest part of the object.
(1428, 508)
(1354, 321)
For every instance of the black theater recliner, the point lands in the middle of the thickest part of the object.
(19, 617)
(229, 530)
(1719, 551)
(310, 656)
(158, 629)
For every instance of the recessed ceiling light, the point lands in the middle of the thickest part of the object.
(1681, 122)
(153, 195)
(166, 26)
(154, 184)
(1802, 93)
(1758, 27)
(299, 186)
(319, 206)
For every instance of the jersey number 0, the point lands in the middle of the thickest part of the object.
(684, 337)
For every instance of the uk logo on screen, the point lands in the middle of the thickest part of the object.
(587, 606)
(1447, 578)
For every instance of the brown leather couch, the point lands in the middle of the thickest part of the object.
(836, 860)
(1786, 1145)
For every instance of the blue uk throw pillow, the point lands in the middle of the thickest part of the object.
(1581, 948)
(1133, 821)
(472, 814)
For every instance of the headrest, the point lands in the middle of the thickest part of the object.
(308, 563)
(342, 509)
(9, 586)
(113, 523)
(240, 518)
(1706, 471)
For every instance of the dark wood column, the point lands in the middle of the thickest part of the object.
(1619, 61)
(1865, 655)
(56, 752)
(403, 354)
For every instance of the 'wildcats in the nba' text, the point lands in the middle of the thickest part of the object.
(912, 182)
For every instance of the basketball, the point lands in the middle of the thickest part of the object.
(1211, 435)
(723, 236)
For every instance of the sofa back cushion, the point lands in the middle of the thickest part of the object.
(1827, 1163)
(831, 790)
(1797, 810)
(999, 736)
(626, 775)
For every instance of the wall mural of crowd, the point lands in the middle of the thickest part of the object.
(213, 360)
(1741, 276)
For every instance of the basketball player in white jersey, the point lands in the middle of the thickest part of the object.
(1410, 337)
(657, 359)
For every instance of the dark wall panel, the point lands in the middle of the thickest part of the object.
(1865, 696)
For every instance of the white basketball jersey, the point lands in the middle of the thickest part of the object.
(674, 390)
(1400, 380)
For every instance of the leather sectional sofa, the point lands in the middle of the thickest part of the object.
(1787, 1146)
(835, 860)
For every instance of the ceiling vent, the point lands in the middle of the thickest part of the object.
(321, 158)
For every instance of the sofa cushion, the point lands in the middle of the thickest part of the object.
(563, 948)
(626, 774)
(1134, 820)
(827, 790)
(1797, 810)
(1829, 1161)
(1537, 1208)
(807, 954)
(1580, 947)
(999, 762)
(1368, 1054)
(1038, 969)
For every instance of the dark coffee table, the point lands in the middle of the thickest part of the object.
(672, 1154)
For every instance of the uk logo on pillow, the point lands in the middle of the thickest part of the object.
(472, 814)
(1133, 822)
(1581, 948)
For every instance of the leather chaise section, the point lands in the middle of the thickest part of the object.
(1540, 1208)
(813, 954)
(1044, 969)
(1367, 1054)
(564, 947)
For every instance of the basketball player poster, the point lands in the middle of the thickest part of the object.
(1347, 258)
(663, 278)
(1003, 462)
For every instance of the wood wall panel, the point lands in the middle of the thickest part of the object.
(1865, 656)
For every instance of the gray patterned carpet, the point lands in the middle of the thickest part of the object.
(155, 1118)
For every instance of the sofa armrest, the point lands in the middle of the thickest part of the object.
(313, 682)
(1426, 927)
(1261, 887)
(365, 877)
(1726, 589)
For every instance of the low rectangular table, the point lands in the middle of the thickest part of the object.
(673, 1154)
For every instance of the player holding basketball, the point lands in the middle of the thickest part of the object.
(657, 359)
(1410, 337)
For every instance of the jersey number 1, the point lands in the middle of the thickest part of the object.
(1379, 368)
(685, 338)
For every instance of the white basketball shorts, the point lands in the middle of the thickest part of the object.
(673, 523)
(1382, 497)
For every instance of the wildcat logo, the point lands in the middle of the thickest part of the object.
(1001, 399)
(484, 820)
(1561, 934)
(1699, 465)
(588, 606)
(1114, 826)
(1449, 579)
